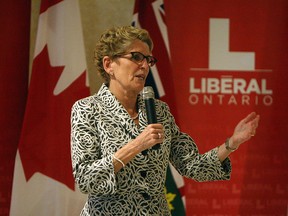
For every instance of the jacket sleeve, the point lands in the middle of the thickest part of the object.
(187, 160)
(93, 174)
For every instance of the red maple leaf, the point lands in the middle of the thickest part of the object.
(45, 139)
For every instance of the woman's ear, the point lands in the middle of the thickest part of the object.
(107, 65)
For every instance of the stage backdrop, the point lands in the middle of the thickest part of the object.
(230, 58)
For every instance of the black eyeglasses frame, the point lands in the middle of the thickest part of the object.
(151, 60)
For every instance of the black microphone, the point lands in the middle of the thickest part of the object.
(149, 96)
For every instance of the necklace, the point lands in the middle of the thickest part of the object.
(135, 117)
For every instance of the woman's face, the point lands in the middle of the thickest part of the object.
(129, 75)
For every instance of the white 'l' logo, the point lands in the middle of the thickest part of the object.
(220, 58)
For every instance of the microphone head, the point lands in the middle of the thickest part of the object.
(148, 92)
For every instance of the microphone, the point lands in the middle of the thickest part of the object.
(149, 96)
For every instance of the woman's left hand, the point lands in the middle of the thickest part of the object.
(244, 130)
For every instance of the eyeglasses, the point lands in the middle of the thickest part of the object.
(139, 58)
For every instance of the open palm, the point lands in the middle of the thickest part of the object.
(245, 129)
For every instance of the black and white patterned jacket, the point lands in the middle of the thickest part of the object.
(100, 126)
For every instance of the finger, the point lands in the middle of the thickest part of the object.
(157, 135)
(253, 133)
(254, 125)
(249, 117)
(255, 121)
(156, 126)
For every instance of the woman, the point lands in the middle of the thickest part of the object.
(112, 145)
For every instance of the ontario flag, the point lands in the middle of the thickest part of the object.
(150, 15)
(43, 183)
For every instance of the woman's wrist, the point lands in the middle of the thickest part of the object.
(230, 145)
(137, 147)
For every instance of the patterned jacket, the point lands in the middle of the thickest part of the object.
(100, 126)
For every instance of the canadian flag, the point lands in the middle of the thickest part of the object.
(43, 183)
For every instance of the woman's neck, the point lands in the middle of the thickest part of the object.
(127, 98)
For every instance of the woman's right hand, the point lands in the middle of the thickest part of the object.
(151, 135)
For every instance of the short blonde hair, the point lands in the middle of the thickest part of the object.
(115, 41)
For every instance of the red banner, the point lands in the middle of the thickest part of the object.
(230, 58)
